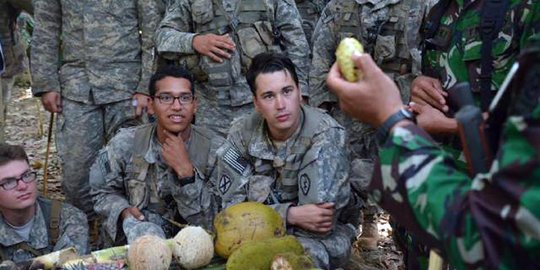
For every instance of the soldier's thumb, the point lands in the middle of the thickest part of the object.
(365, 63)
(137, 214)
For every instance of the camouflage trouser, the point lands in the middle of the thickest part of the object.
(218, 118)
(81, 131)
(332, 251)
(6, 84)
(363, 149)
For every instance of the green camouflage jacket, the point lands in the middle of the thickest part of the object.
(459, 61)
(93, 51)
(491, 221)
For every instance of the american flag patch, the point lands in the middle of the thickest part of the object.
(234, 159)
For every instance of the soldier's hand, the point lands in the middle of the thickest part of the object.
(214, 46)
(316, 218)
(432, 120)
(52, 102)
(176, 156)
(427, 90)
(141, 101)
(132, 211)
(372, 99)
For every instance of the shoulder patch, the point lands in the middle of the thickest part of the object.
(305, 184)
(234, 159)
(224, 183)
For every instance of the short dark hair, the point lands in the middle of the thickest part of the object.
(10, 152)
(269, 62)
(170, 71)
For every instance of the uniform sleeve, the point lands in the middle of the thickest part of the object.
(531, 24)
(175, 34)
(73, 230)
(149, 18)
(107, 184)
(324, 46)
(293, 39)
(491, 220)
(325, 173)
(46, 46)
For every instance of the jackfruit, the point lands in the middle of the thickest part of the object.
(291, 261)
(345, 50)
(245, 222)
(259, 254)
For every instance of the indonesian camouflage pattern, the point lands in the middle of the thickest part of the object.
(121, 178)
(224, 83)
(310, 11)
(72, 232)
(311, 167)
(93, 52)
(491, 221)
(461, 60)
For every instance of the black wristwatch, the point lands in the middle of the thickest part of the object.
(384, 129)
(188, 179)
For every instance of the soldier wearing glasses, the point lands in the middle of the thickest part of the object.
(29, 224)
(151, 176)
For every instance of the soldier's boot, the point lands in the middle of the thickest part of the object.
(370, 233)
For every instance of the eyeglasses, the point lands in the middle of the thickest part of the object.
(11, 183)
(167, 99)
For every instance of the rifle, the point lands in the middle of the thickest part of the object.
(471, 128)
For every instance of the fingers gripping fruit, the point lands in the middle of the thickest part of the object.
(345, 50)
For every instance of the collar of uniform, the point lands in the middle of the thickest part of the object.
(261, 145)
(38, 234)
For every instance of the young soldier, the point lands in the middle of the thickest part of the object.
(293, 158)
(149, 174)
(29, 224)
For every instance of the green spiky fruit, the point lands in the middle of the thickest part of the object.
(345, 50)
(259, 254)
(291, 261)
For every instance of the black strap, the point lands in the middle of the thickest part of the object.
(492, 21)
(433, 20)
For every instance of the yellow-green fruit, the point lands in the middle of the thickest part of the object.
(260, 254)
(291, 261)
(345, 50)
(149, 252)
(245, 222)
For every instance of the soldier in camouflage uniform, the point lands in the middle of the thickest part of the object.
(453, 55)
(31, 225)
(310, 11)
(389, 31)
(216, 40)
(90, 58)
(293, 158)
(488, 222)
(13, 51)
(155, 173)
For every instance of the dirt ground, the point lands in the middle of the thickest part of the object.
(28, 123)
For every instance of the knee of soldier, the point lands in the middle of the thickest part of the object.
(317, 251)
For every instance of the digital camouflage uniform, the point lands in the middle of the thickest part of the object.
(389, 31)
(489, 222)
(310, 11)
(311, 167)
(97, 54)
(13, 50)
(72, 232)
(130, 172)
(255, 26)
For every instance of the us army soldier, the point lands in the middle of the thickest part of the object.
(216, 40)
(153, 175)
(293, 158)
(310, 11)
